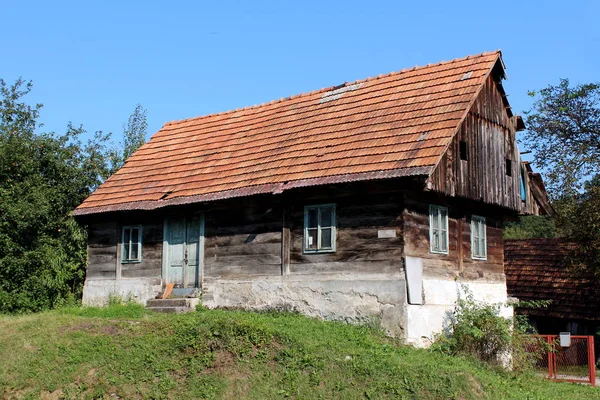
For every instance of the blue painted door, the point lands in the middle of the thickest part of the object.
(183, 252)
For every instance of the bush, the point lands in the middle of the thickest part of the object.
(478, 330)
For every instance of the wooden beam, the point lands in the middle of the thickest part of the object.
(286, 240)
(459, 239)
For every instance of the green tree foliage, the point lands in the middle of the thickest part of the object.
(134, 136)
(564, 130)
(43, 177)
(531, 227)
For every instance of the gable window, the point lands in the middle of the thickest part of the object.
(464, 155)
(508, 167)
(478, 238)
(319, 228)
(523, 187)
(438, 229)
(131, 249)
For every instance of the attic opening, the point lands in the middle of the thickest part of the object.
(508, 167)
(464, 154)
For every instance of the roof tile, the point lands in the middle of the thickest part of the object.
(397, 124)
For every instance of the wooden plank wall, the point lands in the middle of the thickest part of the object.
(416, 236)
(243, 238)
(360, 215)
(102, 250)
(491, 138)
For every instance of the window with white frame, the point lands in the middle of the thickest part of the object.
(131, 248)
(478, 238)
(319, 228)
(438, 229)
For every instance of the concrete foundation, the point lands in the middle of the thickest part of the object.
(378, 298)
(365, 299)
(96, 292)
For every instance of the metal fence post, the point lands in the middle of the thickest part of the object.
(592, 360)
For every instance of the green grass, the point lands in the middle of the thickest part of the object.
(127, 352)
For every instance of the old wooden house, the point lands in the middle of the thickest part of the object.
(370, 199)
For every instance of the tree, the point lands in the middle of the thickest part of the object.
(134, 136)
(564, 130)
(531, 227)
(43, 177)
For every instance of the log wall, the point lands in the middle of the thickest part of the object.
(360, 214)
(102, 250)
(243, 239)
(458, 261)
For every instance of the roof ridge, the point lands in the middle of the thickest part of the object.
(325, 89)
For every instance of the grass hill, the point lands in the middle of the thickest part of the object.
(126, 352)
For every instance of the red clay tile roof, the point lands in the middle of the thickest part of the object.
(393, 125)
(535, 270)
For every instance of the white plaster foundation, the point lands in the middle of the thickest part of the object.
(336, 297)
(425, 321)
(96, 292)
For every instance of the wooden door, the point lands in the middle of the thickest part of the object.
(183, 252)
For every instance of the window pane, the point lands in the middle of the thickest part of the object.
(312, 218)
(126, 235)
(435, 238)
(125, 251)
(326, 216)
(326, 238)
(435, 218)
(134, 235)
(311, 239)
(134, 251)
(444, 241)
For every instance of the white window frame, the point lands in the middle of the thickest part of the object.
(478, 222)
(443, 226)
(126, 258)
(319, 248)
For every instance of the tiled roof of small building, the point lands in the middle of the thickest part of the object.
(394, 125)
(536, 270)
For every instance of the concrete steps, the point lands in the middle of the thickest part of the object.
(175, 305)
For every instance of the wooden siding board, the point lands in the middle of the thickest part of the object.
(490, 136)
(447, 266)
(358, 246)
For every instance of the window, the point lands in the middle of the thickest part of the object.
(131, 249)
(438, 229)
(478, 239)
(523, 187)
(319, 228)
(464, 155)
(508, 167)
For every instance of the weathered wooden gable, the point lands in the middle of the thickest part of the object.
(488, 134)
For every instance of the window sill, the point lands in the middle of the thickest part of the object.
(131, 261)
(479, 258)
(318, 251)
(438, 252)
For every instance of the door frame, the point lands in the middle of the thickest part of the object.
(165, 249)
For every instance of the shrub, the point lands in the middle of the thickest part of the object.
(477, 329)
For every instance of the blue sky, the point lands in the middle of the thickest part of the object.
(91, 62)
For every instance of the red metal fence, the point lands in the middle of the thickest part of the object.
(573, 363)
